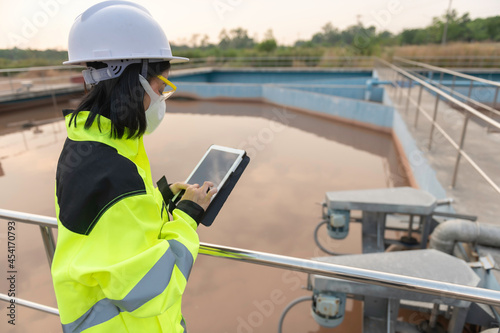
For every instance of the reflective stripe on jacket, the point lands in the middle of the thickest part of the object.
(119, 265)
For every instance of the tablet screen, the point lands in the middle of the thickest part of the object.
(214, 167)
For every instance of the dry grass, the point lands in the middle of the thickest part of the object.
(449, 50)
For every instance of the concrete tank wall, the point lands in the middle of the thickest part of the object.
(346, 102)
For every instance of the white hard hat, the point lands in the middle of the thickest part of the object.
(117, 33)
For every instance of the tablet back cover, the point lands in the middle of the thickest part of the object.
(220, 199)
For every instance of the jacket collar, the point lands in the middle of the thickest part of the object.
(100, 131)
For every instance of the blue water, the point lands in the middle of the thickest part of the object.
(281, 76)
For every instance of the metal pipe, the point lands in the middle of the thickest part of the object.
(39, 68)
(418, 105)
(434, 315)
(448, 71)
(388, 317)
(464, 106)
(453, 85)
(28, 304)
(470, 88)
(465, 155)
(459, 154)
(495, 98)
(410, 227)
(49, 243)
(469, 100)
(448, 233)
(431, 287)
(408, 283)
(444, 95)
(455, 215)
(400, 92)
(408, 96)
(28, 218)
(446, 201)
(434, 116)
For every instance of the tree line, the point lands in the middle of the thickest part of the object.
(460, 29)
(362, 41)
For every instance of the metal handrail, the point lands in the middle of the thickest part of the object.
(456, 57)
(41, 220)
(29, 304)
(39, 68)
(453, 92)
(452, 99)
(208, 59)
(469, 111)
(413, 284)
(279, 61)
(448, 71)
(456, 61)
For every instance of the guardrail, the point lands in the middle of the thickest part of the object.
(391, 71)
(431, 287)
(480, 82)
(25, 80)
(426, 73)
(35, 81)
(289, 61)
(459, 61)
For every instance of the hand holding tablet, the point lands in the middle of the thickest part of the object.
(215, 175)
(201, 195)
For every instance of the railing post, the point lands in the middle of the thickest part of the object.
(470, 88)
(441, 78)
(434, 116)
(418, 105)
(400, 88)
(395, 80)
(459, 155)
(48, 242)
(408, 95)
(453, 85)
(401, 91)
(494, 105)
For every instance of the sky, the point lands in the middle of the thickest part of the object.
(42, 24)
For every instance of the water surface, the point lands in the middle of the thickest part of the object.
(295, 159)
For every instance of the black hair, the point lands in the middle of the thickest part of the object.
(120, 100)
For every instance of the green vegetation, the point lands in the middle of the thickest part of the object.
(16, 58)
(460, 29)
(356, 40)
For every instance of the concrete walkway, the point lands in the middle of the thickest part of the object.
(472, 194)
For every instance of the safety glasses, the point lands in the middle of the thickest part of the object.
(170, 88)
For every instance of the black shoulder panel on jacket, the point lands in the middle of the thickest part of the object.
(91, 177)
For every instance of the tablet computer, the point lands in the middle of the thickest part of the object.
(222, 166)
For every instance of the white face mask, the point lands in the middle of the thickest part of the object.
(156, 109)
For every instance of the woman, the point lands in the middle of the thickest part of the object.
(122, 261)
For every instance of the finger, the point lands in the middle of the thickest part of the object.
(182, 186)
(193, 186)
(212, 192)
(206, 185)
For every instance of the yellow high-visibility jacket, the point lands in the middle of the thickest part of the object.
(120, 265)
